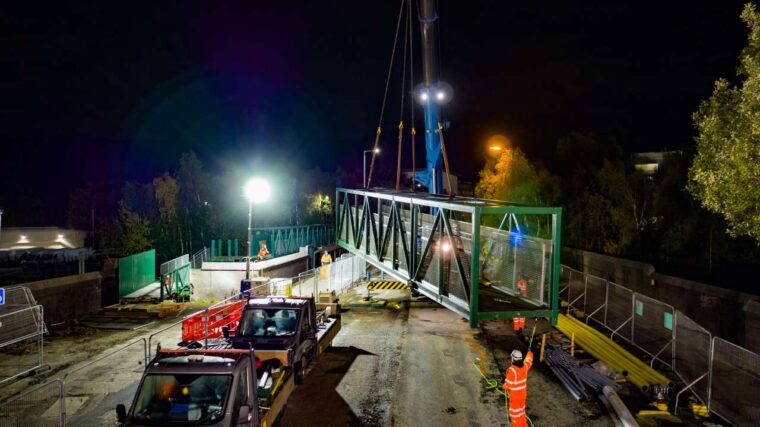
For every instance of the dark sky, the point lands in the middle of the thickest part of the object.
(117, 90)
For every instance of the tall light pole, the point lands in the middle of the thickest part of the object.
(364, 158)
(256, 191)
(1, 225)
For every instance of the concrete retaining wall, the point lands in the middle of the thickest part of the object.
(219, 280)
(68, 297)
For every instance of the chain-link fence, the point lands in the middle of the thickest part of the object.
(735, 383)
(42, 405)
(723, 375)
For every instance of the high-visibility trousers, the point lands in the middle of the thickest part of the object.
(517, 412)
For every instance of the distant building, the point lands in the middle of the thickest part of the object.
(41, 237)
(650, 163)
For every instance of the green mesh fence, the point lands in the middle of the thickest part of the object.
(136, 271)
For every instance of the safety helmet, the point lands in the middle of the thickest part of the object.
(516, 355)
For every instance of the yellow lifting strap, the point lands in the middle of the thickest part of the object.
(374, 152)
(398, 157)
(445, 159)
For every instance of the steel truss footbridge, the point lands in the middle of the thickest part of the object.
(466, 254)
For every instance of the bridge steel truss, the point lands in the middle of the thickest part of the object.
(451, 250)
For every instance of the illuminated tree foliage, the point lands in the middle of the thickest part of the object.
(725, 174)
(513, 178)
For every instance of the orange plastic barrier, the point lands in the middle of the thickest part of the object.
(224, 315)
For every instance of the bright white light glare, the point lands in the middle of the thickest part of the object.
(424, 96)
(60, 237)
(257, 190)
(440, 95)
(377, 151)
(446, 246)
(23, 239)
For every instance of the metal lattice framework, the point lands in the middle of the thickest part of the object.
(467, 254)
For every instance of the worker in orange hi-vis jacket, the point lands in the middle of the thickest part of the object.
(519, 322)
(516, 386)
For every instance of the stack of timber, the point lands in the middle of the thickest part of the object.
(611, 353)
(158, 310)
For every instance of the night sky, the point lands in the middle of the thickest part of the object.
(112, 91)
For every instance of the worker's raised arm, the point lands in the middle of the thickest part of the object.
(529, 359)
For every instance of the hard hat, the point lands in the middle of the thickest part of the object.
(516, 355)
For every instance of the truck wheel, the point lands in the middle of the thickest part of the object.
(300, 370)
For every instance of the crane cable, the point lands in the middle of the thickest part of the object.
(385, 95)
(401, 109)
(411, 98)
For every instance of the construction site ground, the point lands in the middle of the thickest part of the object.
(396, 362)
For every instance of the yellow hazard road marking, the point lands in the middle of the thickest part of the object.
(387, 285)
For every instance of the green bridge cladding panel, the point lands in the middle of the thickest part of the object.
(282, 240)
(136, 271)
(467, 254)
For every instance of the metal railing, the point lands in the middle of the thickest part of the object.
(200, 257)
(724, 376)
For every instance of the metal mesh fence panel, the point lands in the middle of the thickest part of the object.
(564, 281)
(619, 310)
(692, 354)
(652, 329)
(136, 271)
(576, 289)
(735, 383)
(19, 318)
(595, 298)
(42, 405)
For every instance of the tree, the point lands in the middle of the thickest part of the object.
(136, 236)
(724, 175)
(513, 178)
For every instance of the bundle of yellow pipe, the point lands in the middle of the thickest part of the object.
(609, 352)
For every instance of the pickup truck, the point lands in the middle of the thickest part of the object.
(209, 387)
(273, 342)
(286, 328)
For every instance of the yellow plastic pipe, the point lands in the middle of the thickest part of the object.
(611, 353)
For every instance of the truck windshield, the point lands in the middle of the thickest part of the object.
(269, 322)
(182, 399)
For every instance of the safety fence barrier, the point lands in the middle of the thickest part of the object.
(41, 405)
(335, 277)
(722, 375)
(21, 325)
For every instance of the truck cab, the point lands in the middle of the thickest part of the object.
(187, 387)
(279, 324)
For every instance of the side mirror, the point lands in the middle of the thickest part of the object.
(244, 415)
(226, 331)
(121, 413)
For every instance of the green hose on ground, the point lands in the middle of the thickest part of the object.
(493, 384)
